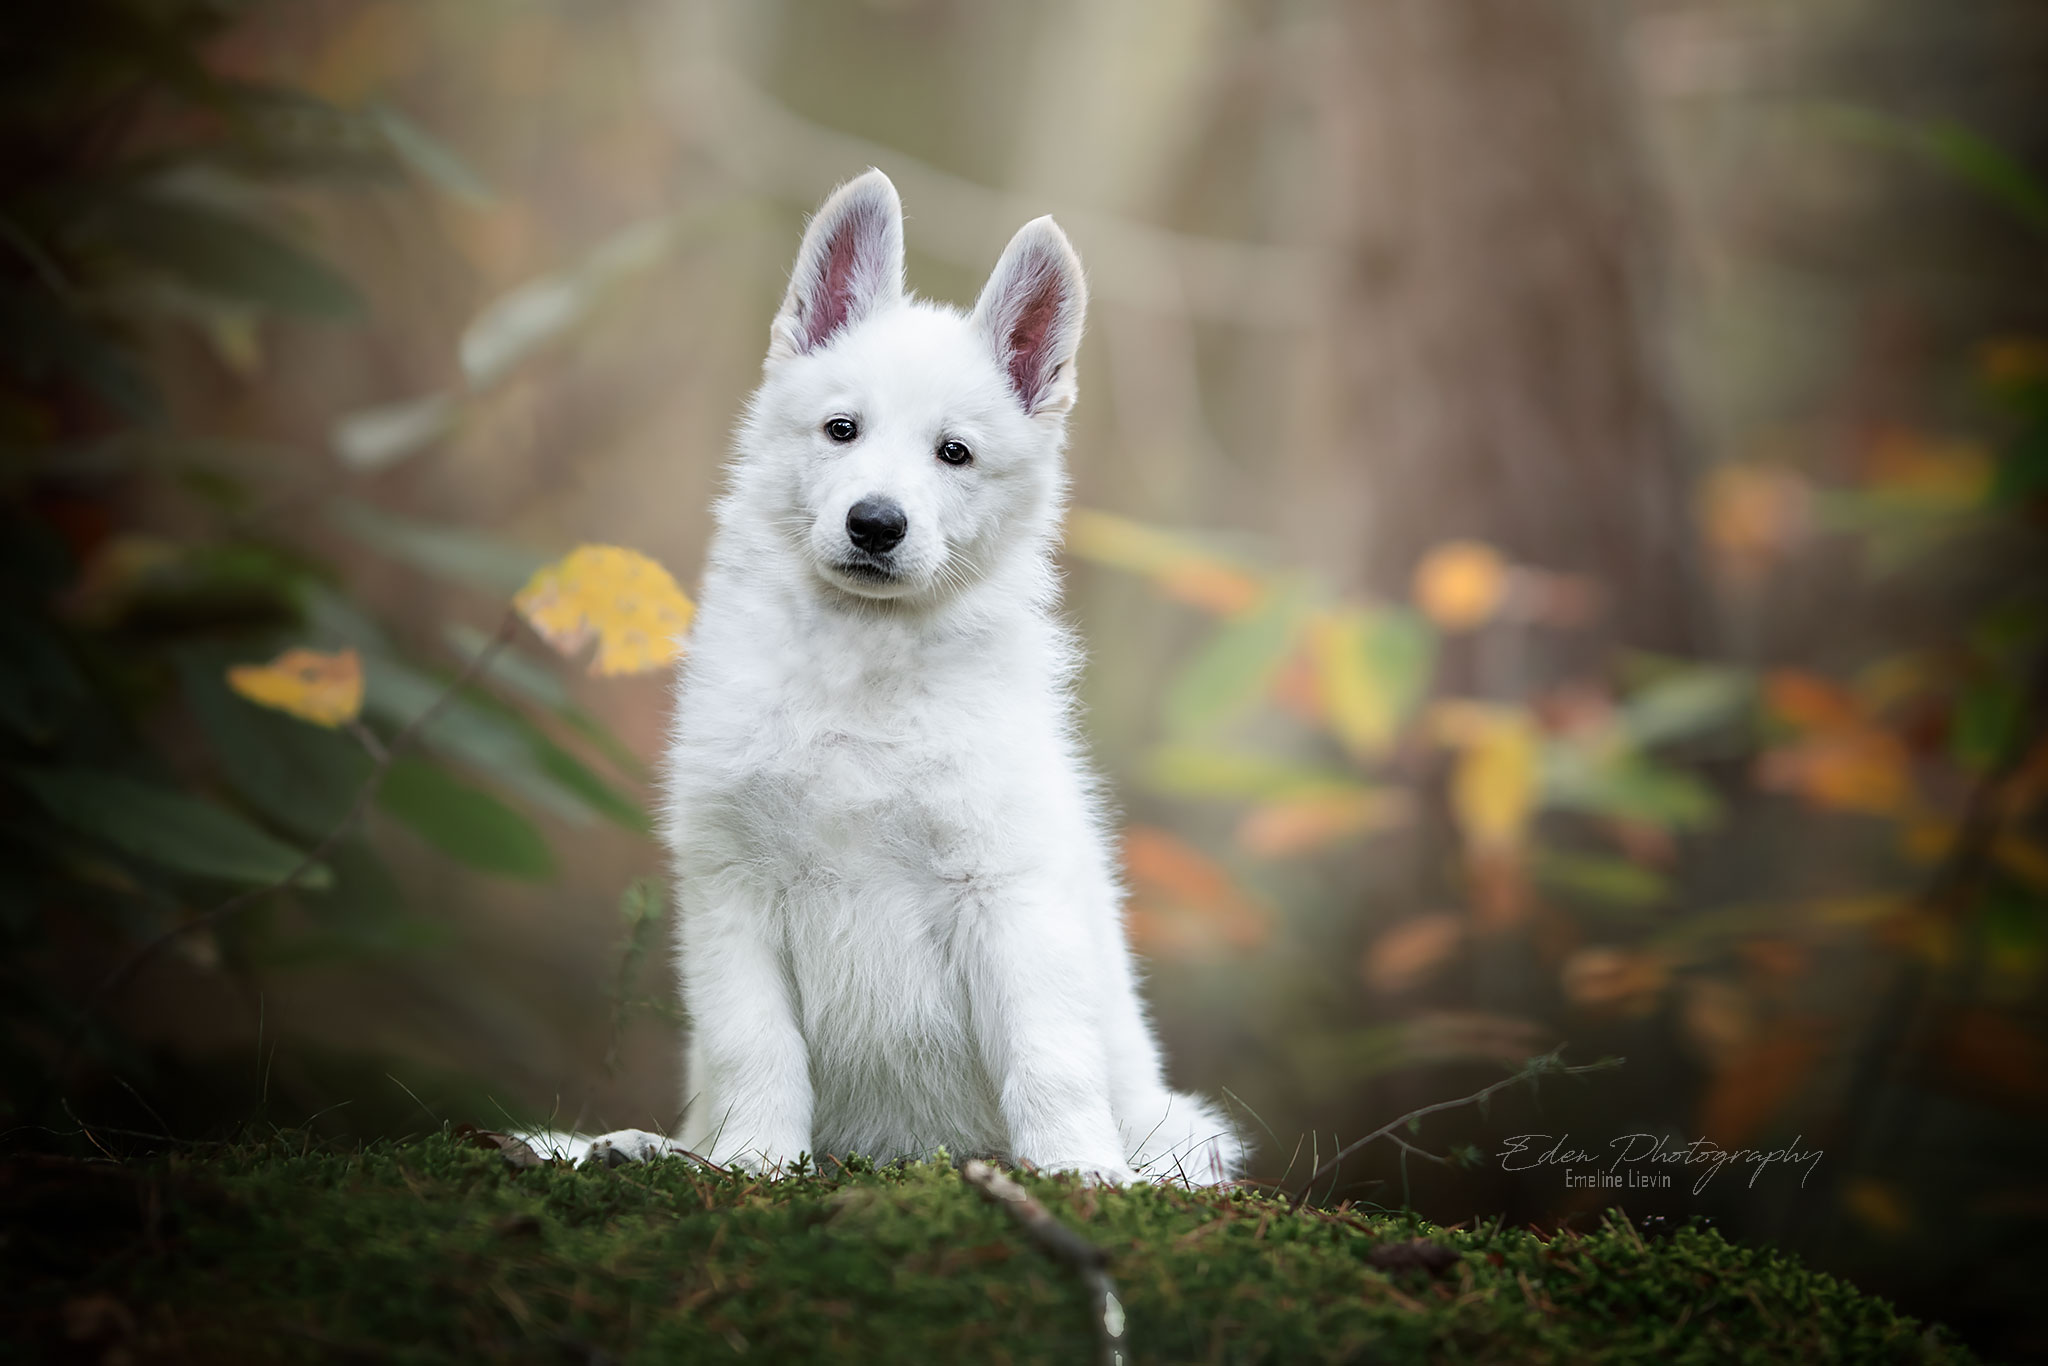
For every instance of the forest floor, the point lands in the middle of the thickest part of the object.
(441, 1250)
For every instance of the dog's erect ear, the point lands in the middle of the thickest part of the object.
(850, 265)
(1031, 312)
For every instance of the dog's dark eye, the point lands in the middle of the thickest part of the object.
(842, 429)
(956, 453)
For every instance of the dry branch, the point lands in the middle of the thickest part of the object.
(1062, 1242)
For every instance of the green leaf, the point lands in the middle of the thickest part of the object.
(571, 773)
(298, 775)
(464, 822)
(517, 325)
(429, 156)
(1610, 881)
(1955, 149)
(495, 567)
(41, 689)
(1991, 169)
(166, 827)
(535, 680)
(645, 898)
(1236, 668)
(1193, 771)
(374, 438)
(462, 730)
(2023, 467)
(1987, 720)
(363, 916)
(226, 255)
(1626, 786)
(43, 340)
(1687, 702)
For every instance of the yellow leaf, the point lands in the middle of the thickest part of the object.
(1494, 787)
(326, 689)
(1459, 584)
(621, 599)
(1370, 668)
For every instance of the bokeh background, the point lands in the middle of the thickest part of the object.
(1559, 495)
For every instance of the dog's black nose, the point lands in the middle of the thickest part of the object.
(876, 524)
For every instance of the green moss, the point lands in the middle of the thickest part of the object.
(436, 1251)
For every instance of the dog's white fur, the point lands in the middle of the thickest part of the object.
(899, 922)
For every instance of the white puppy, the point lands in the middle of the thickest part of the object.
(899, 923)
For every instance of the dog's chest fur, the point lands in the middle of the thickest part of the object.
(882, 784)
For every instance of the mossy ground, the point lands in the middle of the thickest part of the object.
(437, 1251)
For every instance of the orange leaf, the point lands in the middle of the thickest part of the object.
(326, 689)
(1180, 567)
(1932, 470)
(1615, 979)
(1995, 1056)
(1753, 513)
(1858, 768)
(1753, 1083)
(1809, 701)
(1878, 1205)
(1718, 1018)
(1459, 584)
(1403, 955)
(621, 599)
(1214, 587)
(1184, 901)
(1308, 823)
(2013, 360)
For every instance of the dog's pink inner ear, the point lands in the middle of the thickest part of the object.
(1030, 340)
(831, 304)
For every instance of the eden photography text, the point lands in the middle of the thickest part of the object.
(1647, 1161)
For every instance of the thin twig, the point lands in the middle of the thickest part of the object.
(1546, 1064)
(1062, 1242)
(406, 737)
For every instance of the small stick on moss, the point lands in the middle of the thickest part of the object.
(1062, 1242)
(1549, 1064)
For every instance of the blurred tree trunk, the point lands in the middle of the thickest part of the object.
(1500, 348)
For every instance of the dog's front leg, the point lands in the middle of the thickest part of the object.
(749, 1078)
(1035, 1012)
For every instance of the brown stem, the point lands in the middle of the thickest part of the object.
(1062, 1242)
(1535, 1067)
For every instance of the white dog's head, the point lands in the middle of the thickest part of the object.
(898, 449)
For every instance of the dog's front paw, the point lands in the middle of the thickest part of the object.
(622, 1146)
(1093, 1172)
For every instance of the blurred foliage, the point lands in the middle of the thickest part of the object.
(161, 784)
(1596, 856)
